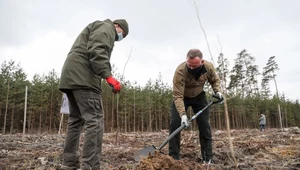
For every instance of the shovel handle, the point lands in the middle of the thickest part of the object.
(198, 113)
(171, 136)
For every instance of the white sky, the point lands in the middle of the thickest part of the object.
(39, 34)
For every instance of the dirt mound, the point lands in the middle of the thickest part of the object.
(273, 149)
(159, 161)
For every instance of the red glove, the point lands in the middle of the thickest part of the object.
(115, 84)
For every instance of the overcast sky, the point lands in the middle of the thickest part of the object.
(39, 34)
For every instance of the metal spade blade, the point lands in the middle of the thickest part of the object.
(144, 152)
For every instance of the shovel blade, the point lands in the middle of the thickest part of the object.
(144, 153)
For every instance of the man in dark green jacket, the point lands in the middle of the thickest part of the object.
(188, 83)
(86, 64)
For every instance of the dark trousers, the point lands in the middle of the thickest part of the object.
(197, 103)
(85, 112)
(262, 127)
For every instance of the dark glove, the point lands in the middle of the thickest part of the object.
(115, 84)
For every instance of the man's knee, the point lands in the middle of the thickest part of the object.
(205, 132)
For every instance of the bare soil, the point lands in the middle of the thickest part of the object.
(272, 149)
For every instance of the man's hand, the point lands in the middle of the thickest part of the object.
(115, 84)
(184, 120)
(220, 96)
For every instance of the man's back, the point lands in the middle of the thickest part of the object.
(88, 59)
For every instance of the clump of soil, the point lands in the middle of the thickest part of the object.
(158, 161)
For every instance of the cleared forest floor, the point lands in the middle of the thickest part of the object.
(272, 149)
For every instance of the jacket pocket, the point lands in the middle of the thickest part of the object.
(202, 79)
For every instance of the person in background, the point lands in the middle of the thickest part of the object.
(87, 63)
(262, 122)
(188, 83)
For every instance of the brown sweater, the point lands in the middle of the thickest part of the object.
(185, 84)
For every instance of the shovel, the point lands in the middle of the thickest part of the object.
(145, 151)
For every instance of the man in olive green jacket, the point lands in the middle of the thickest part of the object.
(87, 63)
(188, 83)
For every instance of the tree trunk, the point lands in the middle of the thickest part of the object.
(112, 113)
(29, 121)
(149, 113)
(51, 111)
(279, 111)
(286, 117)
(6, 108)
(157, 118)
(40, 112)
(219, 124)
(117, 114)
(133, 110)
(105, 111)
(167, 120)
(280, 120)
(235, 121)
(46, 117)
(40, 123)
(142, 117)
(0, 109)
(160, 118)
(125, 114)
(12, 117)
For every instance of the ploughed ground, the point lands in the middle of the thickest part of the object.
(272, 149)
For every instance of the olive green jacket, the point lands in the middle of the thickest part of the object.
(185, 84)
(89, 58)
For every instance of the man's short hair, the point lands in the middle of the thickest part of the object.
(192, 53)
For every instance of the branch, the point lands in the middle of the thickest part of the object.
(212, 58)
(118, 128)
(225, 102)
(127, 61)
(226, 110)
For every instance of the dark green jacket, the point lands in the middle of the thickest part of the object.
(89, 58)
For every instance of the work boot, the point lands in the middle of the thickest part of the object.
(65, 167)
(84, 167)
(207, 162)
